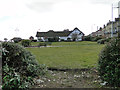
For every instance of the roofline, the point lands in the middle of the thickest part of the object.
(61, 31)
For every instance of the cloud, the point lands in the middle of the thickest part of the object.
(104, 1)
(4, 18)
(52, 14)
(40, 6)
(45, 5)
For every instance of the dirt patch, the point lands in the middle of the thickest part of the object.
(70, 70)
(69, 79)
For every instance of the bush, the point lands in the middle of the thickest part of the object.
(48, 43)
(19, 66)
(16, 40)
(103, 41)
(108, 39)
(34, 40)
(42, 44)
(88, 38)
(54, 39)
(69, 40)
(96, 38)
(62, 40)
(26, 43)
(12, 79)
(109, 63)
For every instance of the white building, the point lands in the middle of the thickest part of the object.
(74, 35)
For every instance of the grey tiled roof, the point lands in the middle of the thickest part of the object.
(52, 33)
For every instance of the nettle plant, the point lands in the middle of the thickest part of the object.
(109, 63)
(19, 66)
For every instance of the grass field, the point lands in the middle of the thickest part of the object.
(72, 55)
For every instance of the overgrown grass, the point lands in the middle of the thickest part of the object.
(73, 55)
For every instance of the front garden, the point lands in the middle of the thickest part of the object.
(68, 55)
(70, 64)
(61, 64)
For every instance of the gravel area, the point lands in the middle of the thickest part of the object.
(69, 79)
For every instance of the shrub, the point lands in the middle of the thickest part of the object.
(108, 39)
(101, 41)
(34, 40)
(54, 39)
(96, 38)
(12, 79)
(26, 43)
(62, 40)
(16, 39)
(42, 44)
(69, 40)
(19, 66)
(109, 63)
(48, 43)
(40, 40)
(88, 38)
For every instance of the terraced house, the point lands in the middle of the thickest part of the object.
(74, 35)
(111, 29)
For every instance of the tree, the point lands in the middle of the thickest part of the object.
(31, 38)
(17, 39)
(5, 39)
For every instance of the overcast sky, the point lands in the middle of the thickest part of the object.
(23, 18)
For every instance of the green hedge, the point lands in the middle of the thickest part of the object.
(109, 63)
(19, 66)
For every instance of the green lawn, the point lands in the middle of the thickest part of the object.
(70, 55)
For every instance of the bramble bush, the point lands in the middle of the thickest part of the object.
(19, 66)
(109, 63)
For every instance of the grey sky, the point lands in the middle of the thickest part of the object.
(47, 5)
(40, 6)
(43, 15)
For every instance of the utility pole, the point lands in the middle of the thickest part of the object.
(118, 27)
(112, 22)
